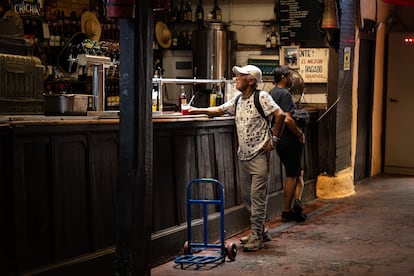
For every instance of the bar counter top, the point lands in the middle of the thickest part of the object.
(103, 118)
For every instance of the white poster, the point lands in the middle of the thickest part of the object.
(313, 64)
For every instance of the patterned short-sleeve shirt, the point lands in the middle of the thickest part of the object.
(252, 128)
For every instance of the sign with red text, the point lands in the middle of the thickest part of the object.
(313, 64)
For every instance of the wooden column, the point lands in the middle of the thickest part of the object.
(134, 187)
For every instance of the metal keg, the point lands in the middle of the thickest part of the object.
(213, 53)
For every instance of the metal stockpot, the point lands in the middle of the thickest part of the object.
(214, 52)
(66, 104)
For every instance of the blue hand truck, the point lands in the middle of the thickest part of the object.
(191, 248)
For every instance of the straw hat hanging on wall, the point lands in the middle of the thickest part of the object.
(90, 26)
(163, 34)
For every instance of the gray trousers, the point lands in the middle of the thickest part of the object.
(254, 183)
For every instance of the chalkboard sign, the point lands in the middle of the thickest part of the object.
(300, 20)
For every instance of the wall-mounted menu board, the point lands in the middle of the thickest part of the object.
(300, 19)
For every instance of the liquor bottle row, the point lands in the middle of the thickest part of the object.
(183, 12)
(66, 27)
(112, 95)
(181, 40)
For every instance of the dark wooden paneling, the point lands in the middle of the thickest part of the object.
(63, 180)
(103, 152)
(71, 195)
(7, 233)
(226, 165)
(33, 201)
(164, 191)
(60, 192)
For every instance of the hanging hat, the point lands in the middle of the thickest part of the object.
(90, 26)
(163, 34)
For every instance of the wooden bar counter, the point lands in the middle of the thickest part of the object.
(59, 177)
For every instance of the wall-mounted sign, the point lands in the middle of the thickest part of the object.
(347, 58)
(27, 8)
(313, 64)
(300, 20)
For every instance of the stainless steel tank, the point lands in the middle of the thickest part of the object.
(213, 53)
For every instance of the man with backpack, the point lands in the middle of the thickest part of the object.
(255, 143)
(290, 146)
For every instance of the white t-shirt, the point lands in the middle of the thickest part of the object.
(252, 128)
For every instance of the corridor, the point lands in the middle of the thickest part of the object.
(368, 233)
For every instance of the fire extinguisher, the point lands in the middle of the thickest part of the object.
(120, 8)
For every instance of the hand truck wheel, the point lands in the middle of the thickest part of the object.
(186, 248)
(231, 251)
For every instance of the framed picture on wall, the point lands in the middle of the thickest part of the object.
(289, 56)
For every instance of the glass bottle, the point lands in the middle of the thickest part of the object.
(219, 96)
(155, 96)
(273, 39)
(199, 13)
(181, 40)
(213, 96)
(217, 13)
(183, 98)
(174, 43)
(188, 38)
(174, 12)
(268, 41)
(181, 12)
(189, 12)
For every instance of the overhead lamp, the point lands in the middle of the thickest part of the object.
(330, 15)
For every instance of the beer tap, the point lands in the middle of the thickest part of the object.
(71, 59)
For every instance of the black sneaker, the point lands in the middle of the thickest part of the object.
(288, 216)
(298, 211)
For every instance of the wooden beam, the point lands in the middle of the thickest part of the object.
(134, 187)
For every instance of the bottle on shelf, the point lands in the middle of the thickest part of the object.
(174, 12)
(268, 41)
(217, 13)
(174, 42)
(183, 98)
(199, 13)
(181, 12)
(189, 12)
(155, 96)
(181, 40)
(278, 39)
(60, 23)
(273, 38)
(219, 95)
(213, 96)
(188, 40)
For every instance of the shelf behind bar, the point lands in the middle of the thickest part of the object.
(189, 81)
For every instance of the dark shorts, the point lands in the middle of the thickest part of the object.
(290, 153)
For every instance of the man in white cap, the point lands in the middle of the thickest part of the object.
(255, 144)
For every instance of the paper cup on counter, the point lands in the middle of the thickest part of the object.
(185, 108)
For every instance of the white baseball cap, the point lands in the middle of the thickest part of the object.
(249, 70)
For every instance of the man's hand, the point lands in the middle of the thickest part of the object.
(270, 146)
